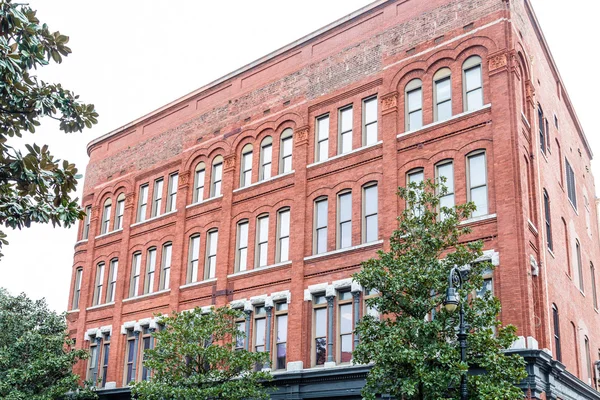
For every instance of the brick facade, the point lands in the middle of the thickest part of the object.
(374, 52)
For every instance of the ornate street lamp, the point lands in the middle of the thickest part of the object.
(451, 302)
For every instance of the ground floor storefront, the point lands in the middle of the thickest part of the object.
(547, 379)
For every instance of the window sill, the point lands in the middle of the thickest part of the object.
(338, 156)
(582, 293)
(572, 205)
(344, 250)
(154, 218)
(259, 269)
(434, 124)
(109, 233)
(73, 311)
(81, 242)
(199, 283)
(198, 203)
(532, 226)
(263, 181)
(551, 253)
(144, 296)
(112, 303)
(525, 120)
(478, 219)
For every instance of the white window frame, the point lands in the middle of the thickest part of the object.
(345, 136)
(262, 243)
(99, 285)
(199, 177)
(286, 136)
(211, 237)
(280, 257)
(341, 223)
(150, 270)
(193, 263)
(136, 266)
(241, 251)
(266, 163)
(245, 172)
(470, 188)
(172, 192)
(319, 156)
(112, 280)
(216, 177)
(165, 266)
(77, 288)
(119, 212)
(317, 228)
(369, 123)
(441, 76)
(157, 196)
(472, 63)
(142, 203)
(411, 87)
(365, 232)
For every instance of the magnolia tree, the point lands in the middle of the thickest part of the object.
(195, 358)
(414, 344)
(36, 355)
(35, 187)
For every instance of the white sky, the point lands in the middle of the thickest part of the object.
(131, 57)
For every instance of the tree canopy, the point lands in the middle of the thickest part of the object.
(195, 358)
(36, 355)
(414, 344)
(34, 185)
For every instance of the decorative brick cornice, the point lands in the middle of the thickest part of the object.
(301, 135)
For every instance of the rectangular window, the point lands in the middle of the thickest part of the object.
(283, 236)
(77, 289)
(579, 265)
(320, 329)
(477, 183)
(266, 159)
(344, 220)
(369, 121)
(443, 99)
(345, 327)
(286, 154)
(556, 320)
(417, 178)
(165, 272)
(370, 310)
(86, 223)
(246, 178)
(105, 357)
(142, 203)
(446, 170)
(241, 338)
(322, 148)
(217, 173)
(172, 199)
(370, 210)
(415, 109)
(135, 275)
(571, 184)
(157, 197)
(281, 319)
(345, 130)
(473, 88)
(93, 363)
(99, 284)
(262, 241)
(211, 254)
(119, 213)
(129, 357)
(193, 257)
(199, 183)
(588, 360)
(320, 235)
(106, 217)
(150, 269)
(112, 280)
(242, 247)
(146, 345)
(260, 331)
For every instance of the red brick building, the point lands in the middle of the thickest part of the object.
(266, 189)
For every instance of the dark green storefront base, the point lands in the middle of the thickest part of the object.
(545, 376)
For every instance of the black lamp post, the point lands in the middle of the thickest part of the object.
(451, 302)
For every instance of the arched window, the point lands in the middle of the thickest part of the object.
(210, 267)
(414, 105)
(472, 84)
(246, 166)
(442, 95)
(193, 257)
(416, 176)
(282, 252)
(588, 360)
(444, 173)
(320, 226)
(345, 117)
(369, 131)
(216, 176)
(112, 280)
(136, 266)
(285, 151)
(477, 190)
(322, 138)
(556, 321)
(548, 220)
(579, 265)
(150, 270)
(370, 229)
(241, 253)
(99, 284)
(120, 209)
(344, 219)
(106, 216)
(199, 182)
(266, 158)
(262, 240)
(77, 289)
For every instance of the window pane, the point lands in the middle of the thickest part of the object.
(321, 213)
(345, 235)
(416, 177)
(321, 322)
(474, 100)
(414, 100)
(415, 120)
(243, 262)
(217, 188)
(473, 78)
(263, 228)
(213, 237)
(281, 356)
(444, 110)
(262, 257)
(346, 144)
(322, 240)
(284, 223)
(346, 318)
(371, 226)
(447, 201)
(371, 200)
(479, 197)
(346, 119)
(346, 348)
(218, 171)
(371, 110)
(443, 90)
(260, 332)
(447, 171)
(323, 128)
(371, 134)
(323, 150)
(345, 207)
(287, 164)
(284, 249)
(477, 170)
(281, 328)
(320, 351)
(287, 146)
(247, 162)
